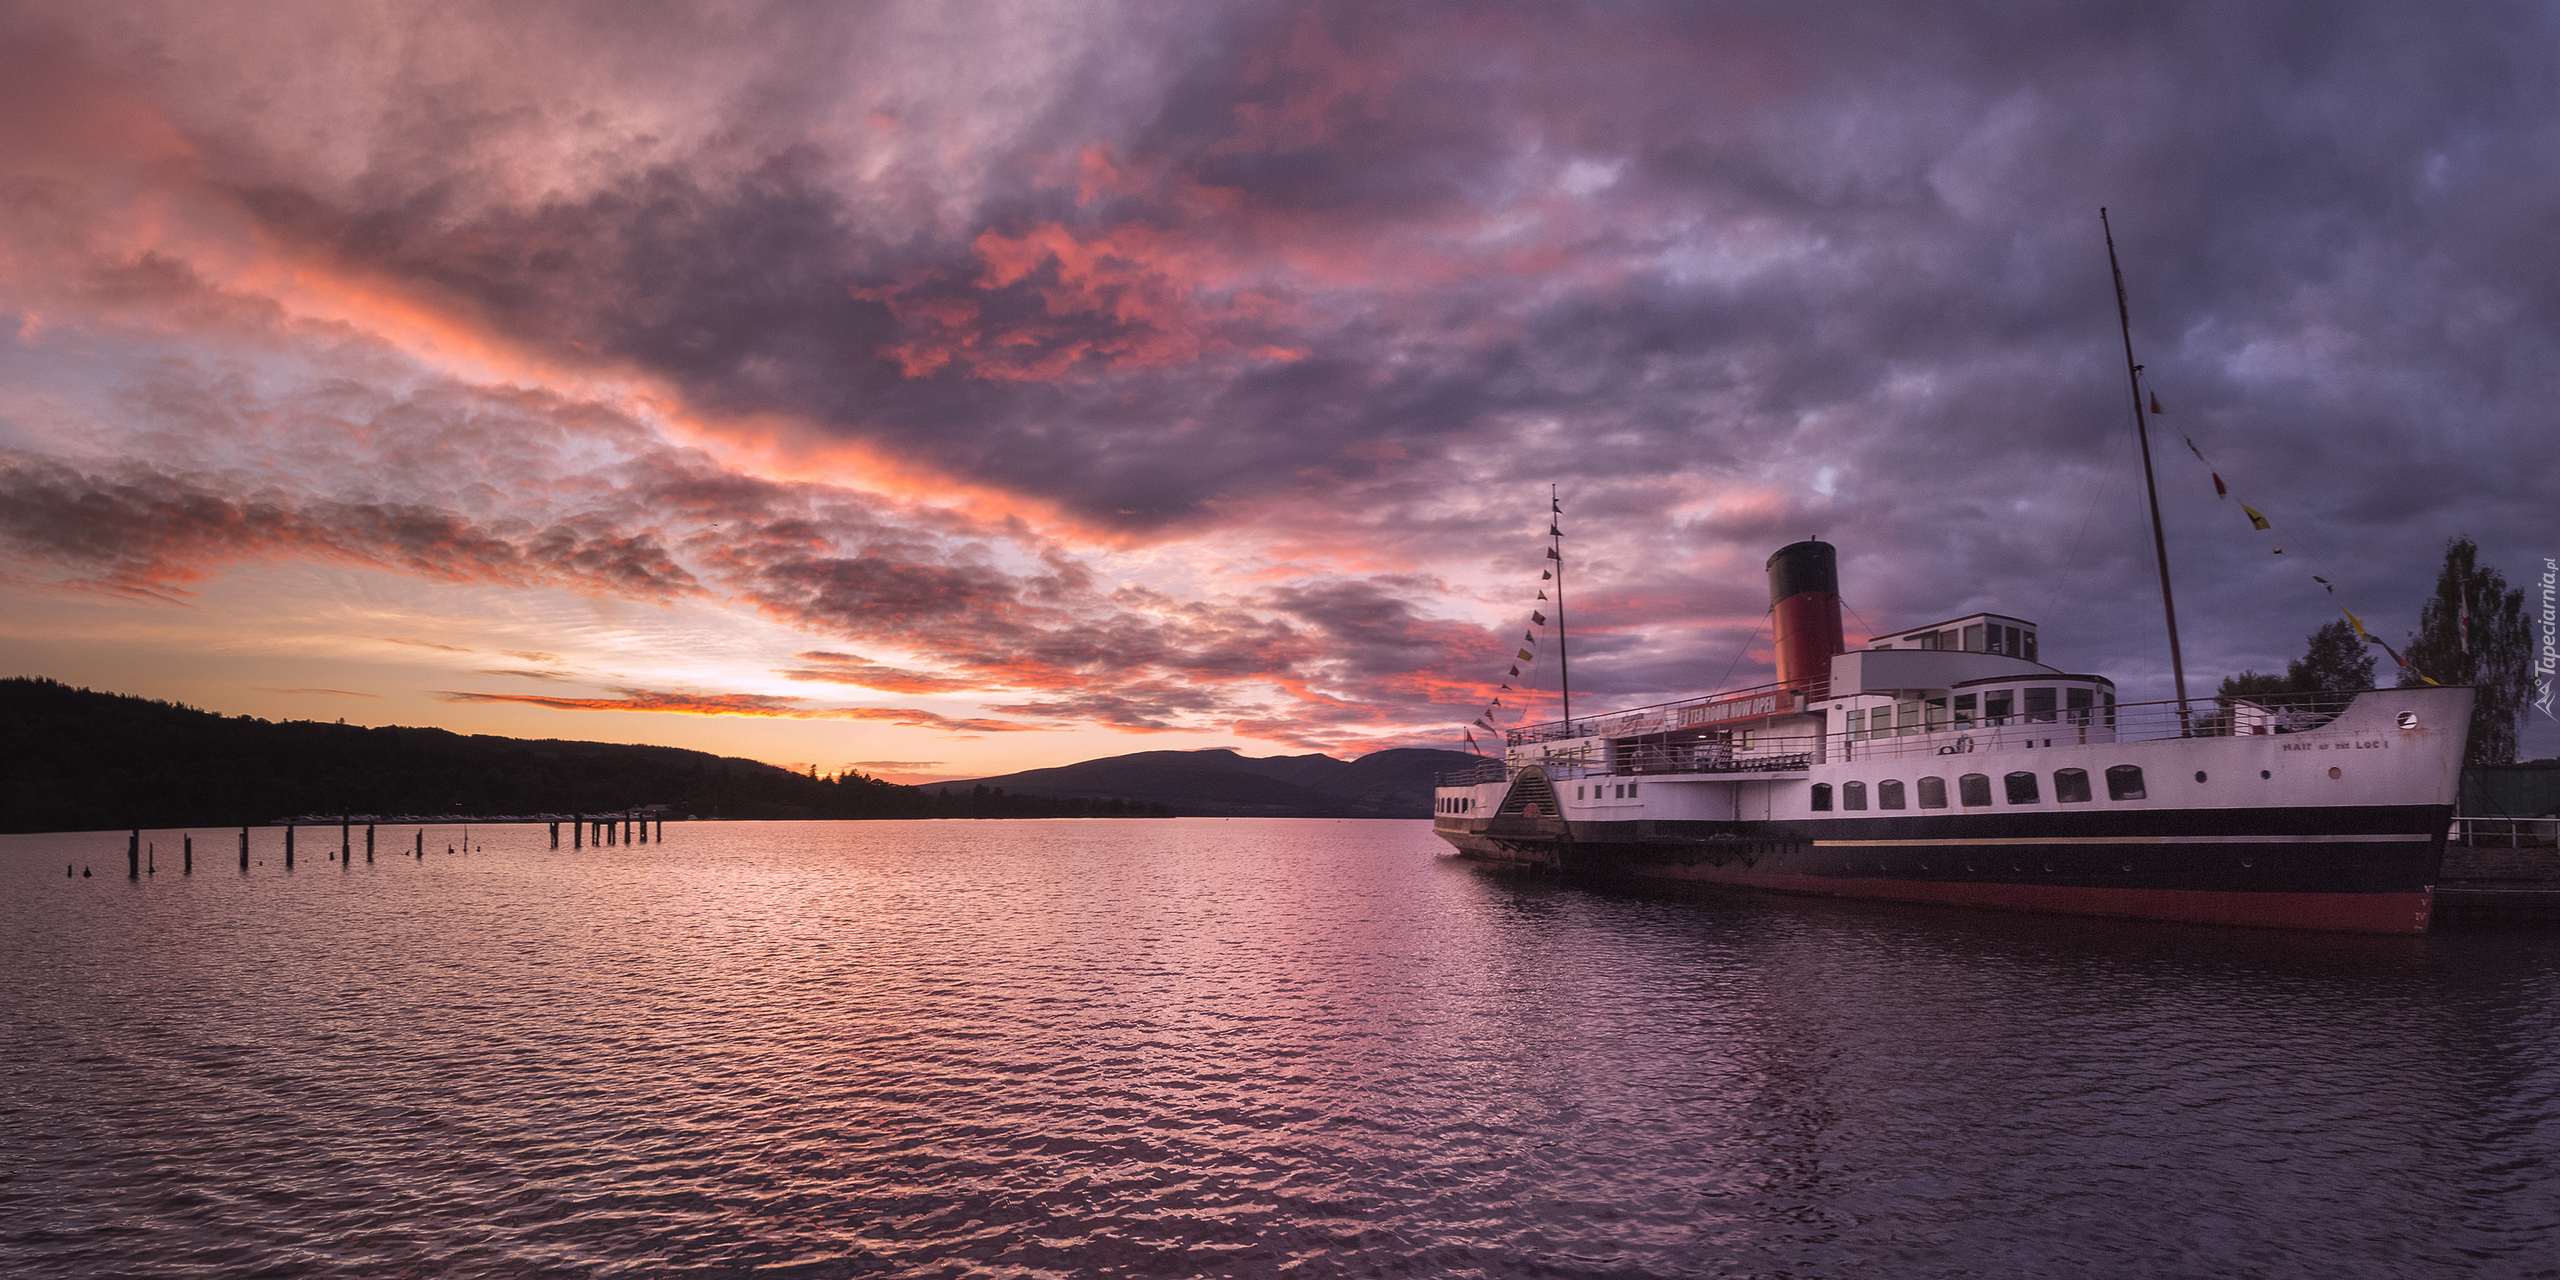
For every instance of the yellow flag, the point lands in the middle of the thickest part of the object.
(2358, 624)
(2256, 521)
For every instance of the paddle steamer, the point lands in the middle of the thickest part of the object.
(1952, 763)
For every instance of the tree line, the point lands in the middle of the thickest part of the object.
(2472, 629)
(74, 759)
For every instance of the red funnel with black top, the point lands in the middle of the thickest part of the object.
(1804, 596)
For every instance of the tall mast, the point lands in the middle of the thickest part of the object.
(1555, 552)
(2142, 432)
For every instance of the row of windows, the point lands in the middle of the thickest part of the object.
(1973, 790)
(1457, 804)
(1978, 638)
(1995, 708)
(1626, 791)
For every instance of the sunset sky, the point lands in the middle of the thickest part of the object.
(945, 389)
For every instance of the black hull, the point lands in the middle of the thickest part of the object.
(2364, 869)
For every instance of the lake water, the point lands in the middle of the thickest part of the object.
(1236, 1048)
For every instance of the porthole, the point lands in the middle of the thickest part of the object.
(2199, 775)
(2264, 774)
(2333, 771)
(2248, 862)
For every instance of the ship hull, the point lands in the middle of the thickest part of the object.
(2364, 869)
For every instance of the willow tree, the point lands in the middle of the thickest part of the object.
(2472, 631)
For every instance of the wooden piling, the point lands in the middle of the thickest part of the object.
(345, 845)
(555, 835)
(368, 844)
(244, 850)
(577, 831)
(133, 855)
(288, 846)
(422, 844)
(191, 854)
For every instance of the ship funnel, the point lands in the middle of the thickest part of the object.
(1804, 595)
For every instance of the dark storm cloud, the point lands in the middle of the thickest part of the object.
(1362, 280)
(142, 531)
(1150, 311)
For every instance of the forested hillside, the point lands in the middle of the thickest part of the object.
(75, 760)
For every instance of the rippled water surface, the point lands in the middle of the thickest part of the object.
(1234, 1047)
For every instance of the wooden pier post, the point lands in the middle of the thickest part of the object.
(133, 855)
(422, 844)
(191, 854)
(577, 831)
(288, 846)
(368, 844)
(555, 835)
(151, 862)
(244, 851)
(345, 845)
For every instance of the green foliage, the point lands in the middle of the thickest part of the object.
(2497, 658)
(2336, 663)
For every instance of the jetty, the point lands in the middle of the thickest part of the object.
(2500, 872)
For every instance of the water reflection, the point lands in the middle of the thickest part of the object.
(1104, 1047)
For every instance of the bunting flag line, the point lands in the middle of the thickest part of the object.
(2156, 410)
(2370, 638)
(2259, 522)
(1526, 655)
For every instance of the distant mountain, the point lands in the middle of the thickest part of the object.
(1225, 784)
(77, 760)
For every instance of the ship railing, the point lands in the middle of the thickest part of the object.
(2507, 833)
(2082, 726)
(1489, 769)
(1612, 723)
(1687, 752)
